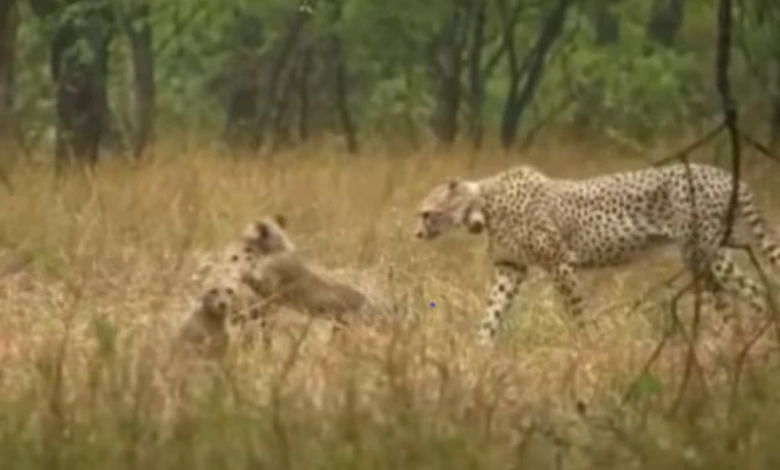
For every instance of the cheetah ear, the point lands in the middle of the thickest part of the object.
(281, 220)
(452, 183)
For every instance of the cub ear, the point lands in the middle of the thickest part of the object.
(281, 220)
(262, 230)
(452, 184)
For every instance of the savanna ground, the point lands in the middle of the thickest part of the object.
(98, 269)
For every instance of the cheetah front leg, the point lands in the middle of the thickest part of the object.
(506, 281)
(567, 285)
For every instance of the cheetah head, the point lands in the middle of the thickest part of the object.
(449, 205)
(219, 301)
(267, 235)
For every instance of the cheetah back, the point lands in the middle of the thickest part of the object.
(609, 219)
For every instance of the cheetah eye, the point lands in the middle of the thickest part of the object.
(212, 292)
(234, 258)
(230, 291)
(425, 215)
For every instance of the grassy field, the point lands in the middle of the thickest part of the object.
(98, 269)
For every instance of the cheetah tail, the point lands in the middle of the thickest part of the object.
(767, 240)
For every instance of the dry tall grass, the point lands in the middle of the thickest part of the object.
(97, 270)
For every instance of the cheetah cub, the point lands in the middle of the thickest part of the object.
(258, 238)
(266, 236)
(286, 280)
(205, 330)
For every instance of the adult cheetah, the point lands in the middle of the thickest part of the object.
(564, 225)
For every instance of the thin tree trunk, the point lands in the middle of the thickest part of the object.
(774, 119)
(8, 24)
(138, 28)
(241, 79)
(342, 101)
(303, 94)
(80, 81)
(665, 21)
(294, 30)
(476, 77)
(281, 120)
(529, 73)
(606, 24)
(447, 67)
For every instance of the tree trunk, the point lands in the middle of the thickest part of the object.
(774, 119)
(8, 23)
(476, 77)
(665, 21)
(529, 73)
(303, 94)
(277, 68)
(138, 28)
(283, 109)
(606, 24)
(242, 79)
(341, 98)
(447, 68)
(79, 67)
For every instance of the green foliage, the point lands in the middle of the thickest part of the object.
(646, 385)
(631, 87)
(643, 95)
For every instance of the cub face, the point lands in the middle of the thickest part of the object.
(267, 235)
(218, 301)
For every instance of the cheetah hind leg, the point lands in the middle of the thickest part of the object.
(733, 280)
(715, 297)
(714, 287)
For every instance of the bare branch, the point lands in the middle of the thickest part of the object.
(683, 153)
(722, 62)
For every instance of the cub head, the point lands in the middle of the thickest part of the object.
(266, 236)
(449, 205)
(218, 301)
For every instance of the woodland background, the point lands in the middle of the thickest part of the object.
(77, 75)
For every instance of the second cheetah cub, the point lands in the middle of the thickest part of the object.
(267, 236)
(286, 280)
